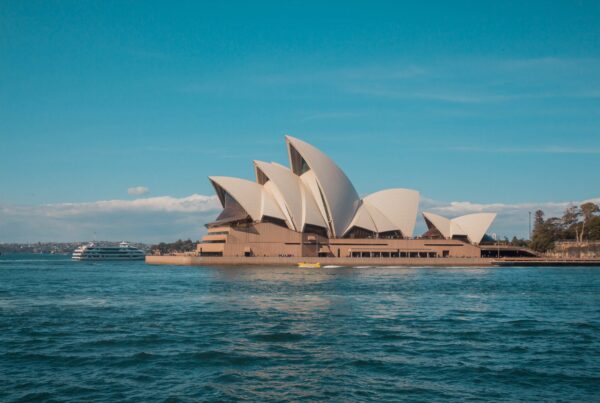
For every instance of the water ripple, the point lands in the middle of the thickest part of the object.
(131, 332)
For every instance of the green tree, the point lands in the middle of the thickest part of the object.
(570, 222)
(594, 228)
(545, 232)
(588, 211)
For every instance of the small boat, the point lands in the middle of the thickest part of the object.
(310, 265)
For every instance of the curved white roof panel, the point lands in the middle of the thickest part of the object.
(250, 195)
(442, 224)
(341, 200)
(399, 206)
(474, 226)
(382, 223)
(362, 219)
(295, 201)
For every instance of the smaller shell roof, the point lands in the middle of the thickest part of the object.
(250, 195)
(398, 206)
(474, 226)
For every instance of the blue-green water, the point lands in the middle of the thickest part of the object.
(128, 331)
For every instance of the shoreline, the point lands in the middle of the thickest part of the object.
(187, 260)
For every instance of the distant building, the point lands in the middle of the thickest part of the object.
(312, 209)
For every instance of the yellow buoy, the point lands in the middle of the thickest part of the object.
(310, 265)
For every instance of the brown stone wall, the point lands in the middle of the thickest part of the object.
(346, 262)
(271, 240)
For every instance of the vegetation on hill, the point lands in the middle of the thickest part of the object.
(578, 224)
(175, 247)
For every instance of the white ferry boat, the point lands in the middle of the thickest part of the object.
(92, 251)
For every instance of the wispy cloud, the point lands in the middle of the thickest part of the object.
(528, 150)
(137, 190)
(164, 218)
(145, 219)
(460, 81)
(512, 219)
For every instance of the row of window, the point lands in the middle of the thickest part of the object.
(398, 254)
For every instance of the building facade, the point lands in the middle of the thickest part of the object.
(311, 209)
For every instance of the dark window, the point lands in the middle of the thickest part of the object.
(232, 210)
(211, 253)
(359, 233)
(432, 231)
(315, 229)
(391, 235)
(276, 221)
(299, 165)
(261, 177)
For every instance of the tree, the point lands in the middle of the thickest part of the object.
(587, 210)
(545, 232)
(570, 222)
(175, 247)
(539, 219)
(543, 236)
(594, 228)
(519, 242)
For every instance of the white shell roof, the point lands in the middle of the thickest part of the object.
(474, 226)
(250, 195)
(442, 224)
(362, 219)
(294, 200)
(340, 197)
(398, 206)
(324, 196)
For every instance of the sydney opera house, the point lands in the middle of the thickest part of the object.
(311, 209)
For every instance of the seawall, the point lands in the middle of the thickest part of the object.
(182, 260)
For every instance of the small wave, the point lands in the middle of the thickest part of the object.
(35, 260)
(216, 357)
(278, 337)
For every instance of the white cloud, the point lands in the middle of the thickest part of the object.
(150, 219)
(138, 190)
(528, 150)
(167, 218)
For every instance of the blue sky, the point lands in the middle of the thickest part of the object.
(474, 102)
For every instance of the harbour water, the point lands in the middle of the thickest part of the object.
(118, 331)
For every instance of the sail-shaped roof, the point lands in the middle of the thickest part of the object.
(398, 206)
(474, 226)
(254, 199)
(331, 185)
(289, 191)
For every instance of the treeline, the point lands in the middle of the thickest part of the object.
(175, 247)
(578, 224)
